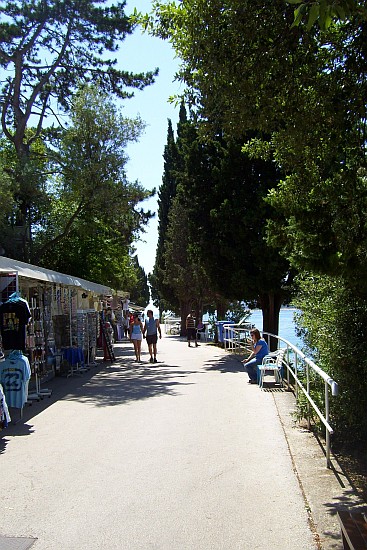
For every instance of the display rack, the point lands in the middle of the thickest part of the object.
(36, 340)
(61, 325)
(87, 335)
(92, 318)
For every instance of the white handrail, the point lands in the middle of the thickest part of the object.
(235, 338)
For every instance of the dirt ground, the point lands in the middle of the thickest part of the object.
(354, 463)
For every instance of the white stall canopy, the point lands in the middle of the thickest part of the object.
(42, 274)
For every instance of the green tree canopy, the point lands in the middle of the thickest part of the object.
(225, 191)
(326, 12)
(162, 294)
(47, 50)
(303, 95)
(214, 243)
(139, 292)
(94, 213)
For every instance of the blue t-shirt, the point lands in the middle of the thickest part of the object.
(14, 375)
(264, 349)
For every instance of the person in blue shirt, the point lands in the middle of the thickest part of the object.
(152, 327)
(259, 350)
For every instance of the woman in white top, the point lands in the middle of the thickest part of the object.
(136, 335)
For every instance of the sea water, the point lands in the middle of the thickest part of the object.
(287, 326)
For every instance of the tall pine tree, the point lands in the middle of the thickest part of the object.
(162, 295)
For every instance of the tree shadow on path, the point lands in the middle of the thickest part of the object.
(105, 385)
(123, 383)
(227, 363)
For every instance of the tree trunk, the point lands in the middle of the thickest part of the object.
(222, 307)
(23, 221)
(270, 304)
(198, 310)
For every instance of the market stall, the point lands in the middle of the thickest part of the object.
(63, 317)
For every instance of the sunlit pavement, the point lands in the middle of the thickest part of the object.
(178, 455)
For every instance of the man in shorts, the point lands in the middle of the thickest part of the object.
(151, 329)
(191, 329)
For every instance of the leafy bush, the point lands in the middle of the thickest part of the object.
(333, 324)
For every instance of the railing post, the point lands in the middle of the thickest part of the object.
(288, 384)
(327, 431)
(296, 374)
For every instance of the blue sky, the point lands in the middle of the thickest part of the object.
(139, 52)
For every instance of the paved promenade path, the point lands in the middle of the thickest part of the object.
(179, 455)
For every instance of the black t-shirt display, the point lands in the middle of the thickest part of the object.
(14, 317)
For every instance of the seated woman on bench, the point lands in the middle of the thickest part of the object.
(260, 349)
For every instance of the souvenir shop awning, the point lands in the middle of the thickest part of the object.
(41, 274)
(94, 287)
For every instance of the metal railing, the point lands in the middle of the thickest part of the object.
(236, 338)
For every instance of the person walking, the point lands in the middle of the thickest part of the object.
(191, 329)
(152, 328)
(127, 325)
(259, 350)
(136, 335)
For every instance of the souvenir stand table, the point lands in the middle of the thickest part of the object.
(75, 357)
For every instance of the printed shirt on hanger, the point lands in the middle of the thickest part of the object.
(14, 376)
(14, 317)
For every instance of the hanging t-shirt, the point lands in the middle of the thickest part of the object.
(14, 317)
(15, 373)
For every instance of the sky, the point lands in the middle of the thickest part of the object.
(140, 52)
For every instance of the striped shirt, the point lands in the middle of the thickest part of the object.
(190, 321)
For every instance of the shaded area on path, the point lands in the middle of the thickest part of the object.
(120, 384)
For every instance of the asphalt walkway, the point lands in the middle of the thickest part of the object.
(178, 455)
